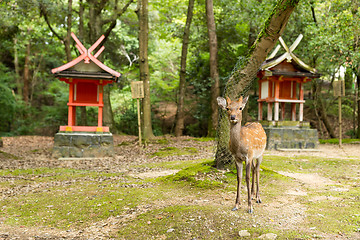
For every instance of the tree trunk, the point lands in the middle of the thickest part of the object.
(242, 78)
(108, 115)
(142, 12)
(26, 76)
(180, 116)
(17, 69)
(68, 32)
(81, 21)
(214, 72)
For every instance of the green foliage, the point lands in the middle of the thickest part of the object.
(127, 122)
(328, 43)
(7, 108)
(336, 141)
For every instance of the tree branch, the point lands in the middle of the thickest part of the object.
(113, 22)
(44, 13)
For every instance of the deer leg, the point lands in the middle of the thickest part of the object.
(253, 180)
(259, 160)
(239, 170)
(248, 170)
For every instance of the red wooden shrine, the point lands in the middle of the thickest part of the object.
(86, 77)
(281, 81)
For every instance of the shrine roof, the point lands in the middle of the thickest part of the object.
(283, 69)
(85, 75)
(86, 66)
(288, 64)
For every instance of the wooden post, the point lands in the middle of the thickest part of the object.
(301, 97)
(101, 101)
(139, 120)
(277, 96)
(260, 110)
(137, 91)
(71, 110)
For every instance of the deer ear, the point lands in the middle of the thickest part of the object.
(221, 102)
(228, 100)
(244, 100)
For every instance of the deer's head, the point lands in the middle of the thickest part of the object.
(233, 108)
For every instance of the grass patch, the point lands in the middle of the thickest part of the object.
(201, 175)
(8, 155)
(171, 164)
(180, 222)
(326, 167)
(204, 139)
(70, 198)
(336, 141)
(197, 222)
(334, 212)
(172, 151)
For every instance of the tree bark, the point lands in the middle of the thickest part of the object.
(180, 116)
(214, 72)
(243, 77)
(81, 21)
(26, 76)
(17, 69)
(68, 32)
(142, 12)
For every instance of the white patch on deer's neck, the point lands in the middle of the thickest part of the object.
(235, 121)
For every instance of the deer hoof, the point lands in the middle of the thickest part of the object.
(250, 210)
(234, 209)
(258, 201)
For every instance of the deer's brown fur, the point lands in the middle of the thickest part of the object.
(247, 144)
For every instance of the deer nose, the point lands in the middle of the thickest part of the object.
(232, 117)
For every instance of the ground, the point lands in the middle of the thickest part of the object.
(160, 193)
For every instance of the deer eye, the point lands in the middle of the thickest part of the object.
(240, 108)
(227, 109)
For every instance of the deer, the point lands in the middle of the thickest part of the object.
(247, 145)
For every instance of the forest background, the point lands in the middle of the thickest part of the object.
(35, 37)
